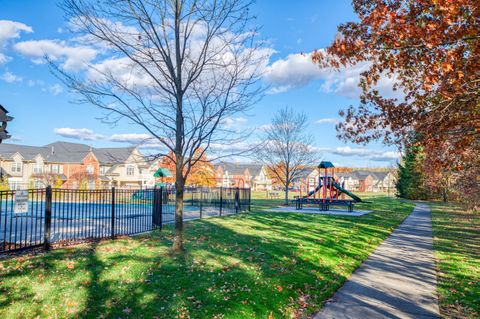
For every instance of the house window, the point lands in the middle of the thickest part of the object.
(90, 169)
(130, 170)
(103, 170)
(14, 185)
(38, 184)
(55, 168)
(38, 169)
(17, 167)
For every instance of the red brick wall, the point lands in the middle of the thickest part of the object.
(70, 169)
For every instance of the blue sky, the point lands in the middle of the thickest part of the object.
(44, 111)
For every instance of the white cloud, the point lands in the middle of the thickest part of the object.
(4, 58)
(327, 120)
(363, 152)
(89, 135)
(11, 30)
(132, 138)
(9, 77)
(298, 70)
(231, 122)
(231, 148)
(55, 89)
(123, 70)
(78, 133)
(386, 156)
(74, 58)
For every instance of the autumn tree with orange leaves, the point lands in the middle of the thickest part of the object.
(432, 49)
(202, 172)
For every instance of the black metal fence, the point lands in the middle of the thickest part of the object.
(57, 216)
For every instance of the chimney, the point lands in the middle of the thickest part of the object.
(53, 150)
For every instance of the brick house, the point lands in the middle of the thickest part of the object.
(232, 175)
(74, 165)
(251, 175)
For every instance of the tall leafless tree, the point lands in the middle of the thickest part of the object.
(286, 148)
(177, 68)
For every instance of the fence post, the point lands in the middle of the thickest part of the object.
(201, 202)
(154, 207)
(113, 213)
(237, 200)
(249, 199)
(161, 207)
(48, 217)
(221, 200)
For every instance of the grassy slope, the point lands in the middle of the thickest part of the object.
(457, 250)
(255, 265)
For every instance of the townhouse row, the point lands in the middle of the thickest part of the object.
(74, 165)
(256, 177)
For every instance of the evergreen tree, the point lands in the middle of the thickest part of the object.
(411, 178)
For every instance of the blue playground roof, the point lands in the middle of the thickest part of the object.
(324, 164)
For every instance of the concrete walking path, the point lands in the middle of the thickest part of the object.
(397, 281)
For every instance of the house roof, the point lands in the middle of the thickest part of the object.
(255, 169)
(66, 152)
(239, 168)
(113, 155)
(380, 175)
(361, 175)
(304, 172)
(346, 175)
(27, 152)
(111, 170)
(233, 168)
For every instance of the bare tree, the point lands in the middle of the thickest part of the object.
(177, 68)
(286, 148)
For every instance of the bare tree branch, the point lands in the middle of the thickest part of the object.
(286, 147)
(177, 68)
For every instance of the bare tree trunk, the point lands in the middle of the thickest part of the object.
(287, 184)
(179, 191)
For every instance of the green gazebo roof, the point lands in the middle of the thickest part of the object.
(324, 164)
(163, 172)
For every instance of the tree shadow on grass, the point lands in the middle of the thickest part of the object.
(240, 266)
(207, 282)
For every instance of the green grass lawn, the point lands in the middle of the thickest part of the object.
(457, 250)
(254, 265)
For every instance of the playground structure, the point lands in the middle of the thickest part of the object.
(327, 192)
